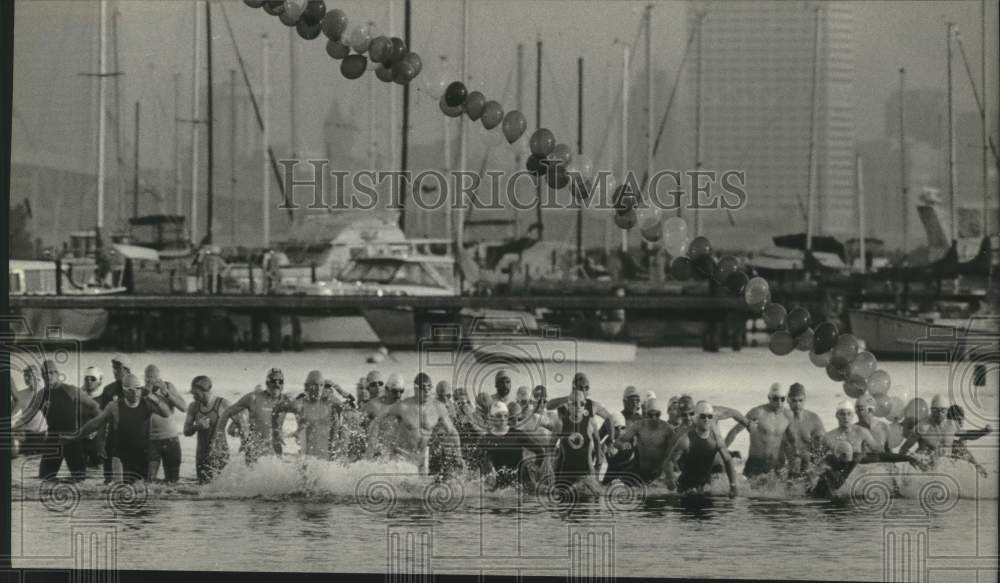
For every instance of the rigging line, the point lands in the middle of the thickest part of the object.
(975, 92)
(613, 113)
(256, 107)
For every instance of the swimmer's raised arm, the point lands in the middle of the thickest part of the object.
(722, 413)
(233, 410)
(94, 424)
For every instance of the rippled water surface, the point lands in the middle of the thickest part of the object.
(314, 516)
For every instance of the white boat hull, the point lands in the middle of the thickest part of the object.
(558, 350)
(888, 335)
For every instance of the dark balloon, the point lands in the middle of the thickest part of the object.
(274, 7)
(445, 108)
(798, 321)
(774, 316)
(844, 350)
(624, 199)
(854, 388)
(492, 114)
(402, 72)
(534, 165)
(704, 266)
(727, 266)
(781, 343)
(681, 269)
(699, 247)
(455, 94)
(474, 105)
(354, 66)
(334, 24)
(804, 341)
(557, 178)
(315, 11)
(835, 373)
(397, 50)
(562, 154)
(306, 30)
(337, 50)
(289, 19)
(414, 61)
(379, 49)
(514, 125)
(737, 282)
(254, 3)
(542, 142)
(626, 221)
(824, 337)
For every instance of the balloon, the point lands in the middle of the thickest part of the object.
(825, 337)
(315, 11)
(845, 350)
(492, 114)
(820, 360)
(542, 142)
(675, 226)
(443, 103)
(397, 51)
(854, 388)
(585, 165)
(379, 49)
(798, 320)
(650, 224)
(353, 66)
(474, 105)
(774, 316)
(334, 24)
(699, 247)
(562, 154)
(293, 11)
(879, 383)
(883, 405)
(756, 308)
(680, 268)
(862, 366)
(514, 125)
(675, 243)
(704, 266)
(804, 341)
(306, 30)
(781, 342)
(403, 72)
(455, 94)
(757, 291)
(337, 50)
(254, 3)
(274, 7)
(897, 407)
(534, 164)
(737, 282)
(727, 266)
(557, 178)
(359, 38)
(626, 220)
(415, 61)
(835, 373)
(916, 409)
(624, 199)
(289, 19)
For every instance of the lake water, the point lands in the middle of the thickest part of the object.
(318, 516)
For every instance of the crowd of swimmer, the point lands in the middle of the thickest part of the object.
(511, 439)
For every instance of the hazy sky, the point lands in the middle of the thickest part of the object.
(156, 39)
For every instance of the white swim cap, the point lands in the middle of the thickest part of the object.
(649, 395)
(395, 383)
(94, 372)
(843, 449)
(704, 408)
(653, 405)
(499, 408)
(618, 420)
(776, 390)
(846, 405)
(940, 402)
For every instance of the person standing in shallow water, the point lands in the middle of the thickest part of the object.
(165, 446)
(695, 453)
(804, 434)
(767, 423)
(203, 416)
(64, 405)
(266, 410)
(317, 413)
(129, 417)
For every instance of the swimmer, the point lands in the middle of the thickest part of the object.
(581, 384)
(958, 448)
(508, 454)
(65, 408)
(265, 409)
(578, 442)
(444, 395)
(502, 384)
(120, 367)
(767, 425)
(164, 444)
(935, 434)
(524, 402)
(374, 384)
(203, 416)
(129, 417)
(317, 414)
(31, 429)
(834, 470)
(649, 395)
(804, 433)
(620, 460)
(417, 416)
(673, 417)
(631, 405)
(695, 452)
(864, 408)
(860, 438)
(652, 438)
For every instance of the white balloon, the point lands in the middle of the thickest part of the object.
(584, 166)
(359, 38)
(295, 8)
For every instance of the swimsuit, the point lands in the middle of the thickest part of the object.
(696, 466)
(212, 451)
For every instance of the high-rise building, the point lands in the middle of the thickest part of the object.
(757, 65)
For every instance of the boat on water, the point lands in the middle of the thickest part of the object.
(890, 336)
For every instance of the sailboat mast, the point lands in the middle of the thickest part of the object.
(404, 154)
(195, 114)
(811, 200)
(518, 161)
(624, 143)
(538, 124)
(902, 160)
(135, 172)
(951, 140)
(463, 128)
(265, 126)
(860, 186)
(697, 122)
(649, 91)
(579, 150)
(232, 156)
(178, 202)
(101, 104)
(985, 117)
(447, 164)
(210, 120)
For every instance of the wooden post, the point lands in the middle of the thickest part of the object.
(274, 332)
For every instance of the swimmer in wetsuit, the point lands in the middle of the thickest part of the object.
(578, 440)
(64, 406)
(695, 452)
(129, 417)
